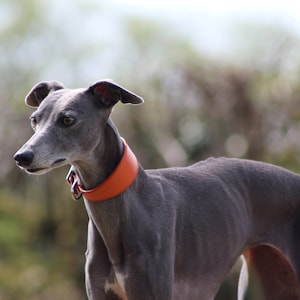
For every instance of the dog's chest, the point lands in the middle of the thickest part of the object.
(116, 285)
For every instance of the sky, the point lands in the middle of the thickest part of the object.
(215, 21)
(213, 26)
(285, 11)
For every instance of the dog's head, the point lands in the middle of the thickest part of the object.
(67, 123)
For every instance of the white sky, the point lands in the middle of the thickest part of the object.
(288, 9)
(210, 23)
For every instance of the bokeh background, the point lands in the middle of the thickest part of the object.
(218, 79)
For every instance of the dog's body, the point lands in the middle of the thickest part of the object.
(173, 233)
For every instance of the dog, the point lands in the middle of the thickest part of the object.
(170, 233)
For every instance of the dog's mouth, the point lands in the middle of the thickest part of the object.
(56, 164)
(35, 170)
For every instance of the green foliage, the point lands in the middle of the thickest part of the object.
(36, 262)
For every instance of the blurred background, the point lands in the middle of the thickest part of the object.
(218, 79)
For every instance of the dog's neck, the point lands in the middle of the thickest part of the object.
(108, 154)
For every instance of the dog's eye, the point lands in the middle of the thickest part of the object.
(33, 122)
(68, 121)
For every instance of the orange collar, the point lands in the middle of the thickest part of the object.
(117, 183)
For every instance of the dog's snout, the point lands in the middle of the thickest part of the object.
(24, 159)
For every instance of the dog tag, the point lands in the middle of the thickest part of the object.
(73, 182)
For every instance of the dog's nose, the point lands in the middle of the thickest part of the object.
(24, 159)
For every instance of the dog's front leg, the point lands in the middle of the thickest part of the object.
(150, 284)
(97, 266)
(145, 278)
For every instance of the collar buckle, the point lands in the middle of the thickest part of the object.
(118, 182)
(73, 181)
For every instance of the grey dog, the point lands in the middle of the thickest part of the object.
(169, 233)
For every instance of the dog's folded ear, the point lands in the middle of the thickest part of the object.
(40, 91)
(109, 93)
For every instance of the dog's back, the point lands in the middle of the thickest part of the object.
(238, 204)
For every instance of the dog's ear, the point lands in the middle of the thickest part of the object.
(109, 93)
(40, 91)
